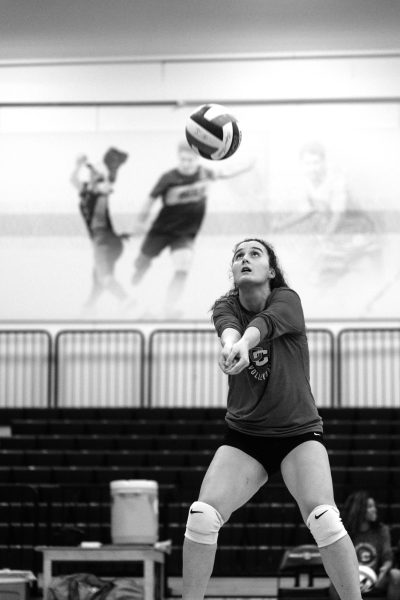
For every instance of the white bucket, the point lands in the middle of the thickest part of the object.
(134, 511)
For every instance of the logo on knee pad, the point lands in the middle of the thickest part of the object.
(319, 516)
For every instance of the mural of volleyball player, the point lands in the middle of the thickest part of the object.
(342, 233)
(94, 196)
(183, 191)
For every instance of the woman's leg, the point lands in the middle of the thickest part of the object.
(182, 258)
(307, 475)
(232, 478)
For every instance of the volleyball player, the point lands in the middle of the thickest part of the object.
(107, 244)
(183, 192)
(272, 423)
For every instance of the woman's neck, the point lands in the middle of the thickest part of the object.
(254, 299)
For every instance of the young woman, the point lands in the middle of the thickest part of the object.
(372, 542)
(272, 423)
(107, 244)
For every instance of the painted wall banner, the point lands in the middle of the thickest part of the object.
(321, 182)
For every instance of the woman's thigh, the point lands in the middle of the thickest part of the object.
(307, 475)
(232, 478)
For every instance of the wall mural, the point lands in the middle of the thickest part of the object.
(320, 182)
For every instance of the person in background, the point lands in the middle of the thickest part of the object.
(272, 423)
(372, 542)
(94, 196)
(183, 191)
(343, 234)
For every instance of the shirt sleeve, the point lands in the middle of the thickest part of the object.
(224, 317)
(387, 553)
(283, 315)
(161, 186)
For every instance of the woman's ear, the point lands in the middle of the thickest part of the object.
(272, 273)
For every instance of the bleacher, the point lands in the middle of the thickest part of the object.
(57, 464)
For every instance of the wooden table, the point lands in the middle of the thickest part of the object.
(149, 555)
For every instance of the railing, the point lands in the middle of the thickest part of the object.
(179, 367)
(183, 369)
(369, 367)
(99, 368)
(25, 368)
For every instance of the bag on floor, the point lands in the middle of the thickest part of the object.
(79, 586)
(125, 589)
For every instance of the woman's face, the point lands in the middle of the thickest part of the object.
(250, 264)
(371, 513)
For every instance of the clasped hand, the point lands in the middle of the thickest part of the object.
(234, 358)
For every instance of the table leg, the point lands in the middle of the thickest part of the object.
(46, 574)
(161, 581)
(148, 580)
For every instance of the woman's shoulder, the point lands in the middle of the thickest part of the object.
(384, 528)
(226, 304)
(230, 299)
(284, 293)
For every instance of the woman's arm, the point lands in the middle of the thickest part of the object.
(387, 554)
(238, 358)
(228, 338)
(221, 174)
(76, 182)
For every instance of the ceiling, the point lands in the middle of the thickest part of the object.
(72, 29)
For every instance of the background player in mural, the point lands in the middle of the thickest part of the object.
(272, 423)
(107, 244)
(372, 542)
(183, 192)
(342, 233)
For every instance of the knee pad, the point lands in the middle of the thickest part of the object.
(203, 524)
(325, 524)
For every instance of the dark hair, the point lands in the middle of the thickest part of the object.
(354, 511)
(279, 279)
(183, 146)
(277, 282)
(313, 147)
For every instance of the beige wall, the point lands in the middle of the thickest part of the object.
(197, 81)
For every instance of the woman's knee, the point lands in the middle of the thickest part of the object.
(325, 525)
(203, 523)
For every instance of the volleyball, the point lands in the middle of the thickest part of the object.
(213, 132)
(368, 578)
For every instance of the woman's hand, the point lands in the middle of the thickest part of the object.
(236, 358)
(223, 361)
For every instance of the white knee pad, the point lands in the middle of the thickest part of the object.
(203, 524)
(325, 524)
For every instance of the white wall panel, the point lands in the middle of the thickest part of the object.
(203, 80)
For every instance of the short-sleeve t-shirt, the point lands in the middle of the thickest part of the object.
(184, 199)
(373, 547)
(272, 396)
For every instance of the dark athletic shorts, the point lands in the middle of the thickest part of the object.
(154, 243)
(269, 451)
